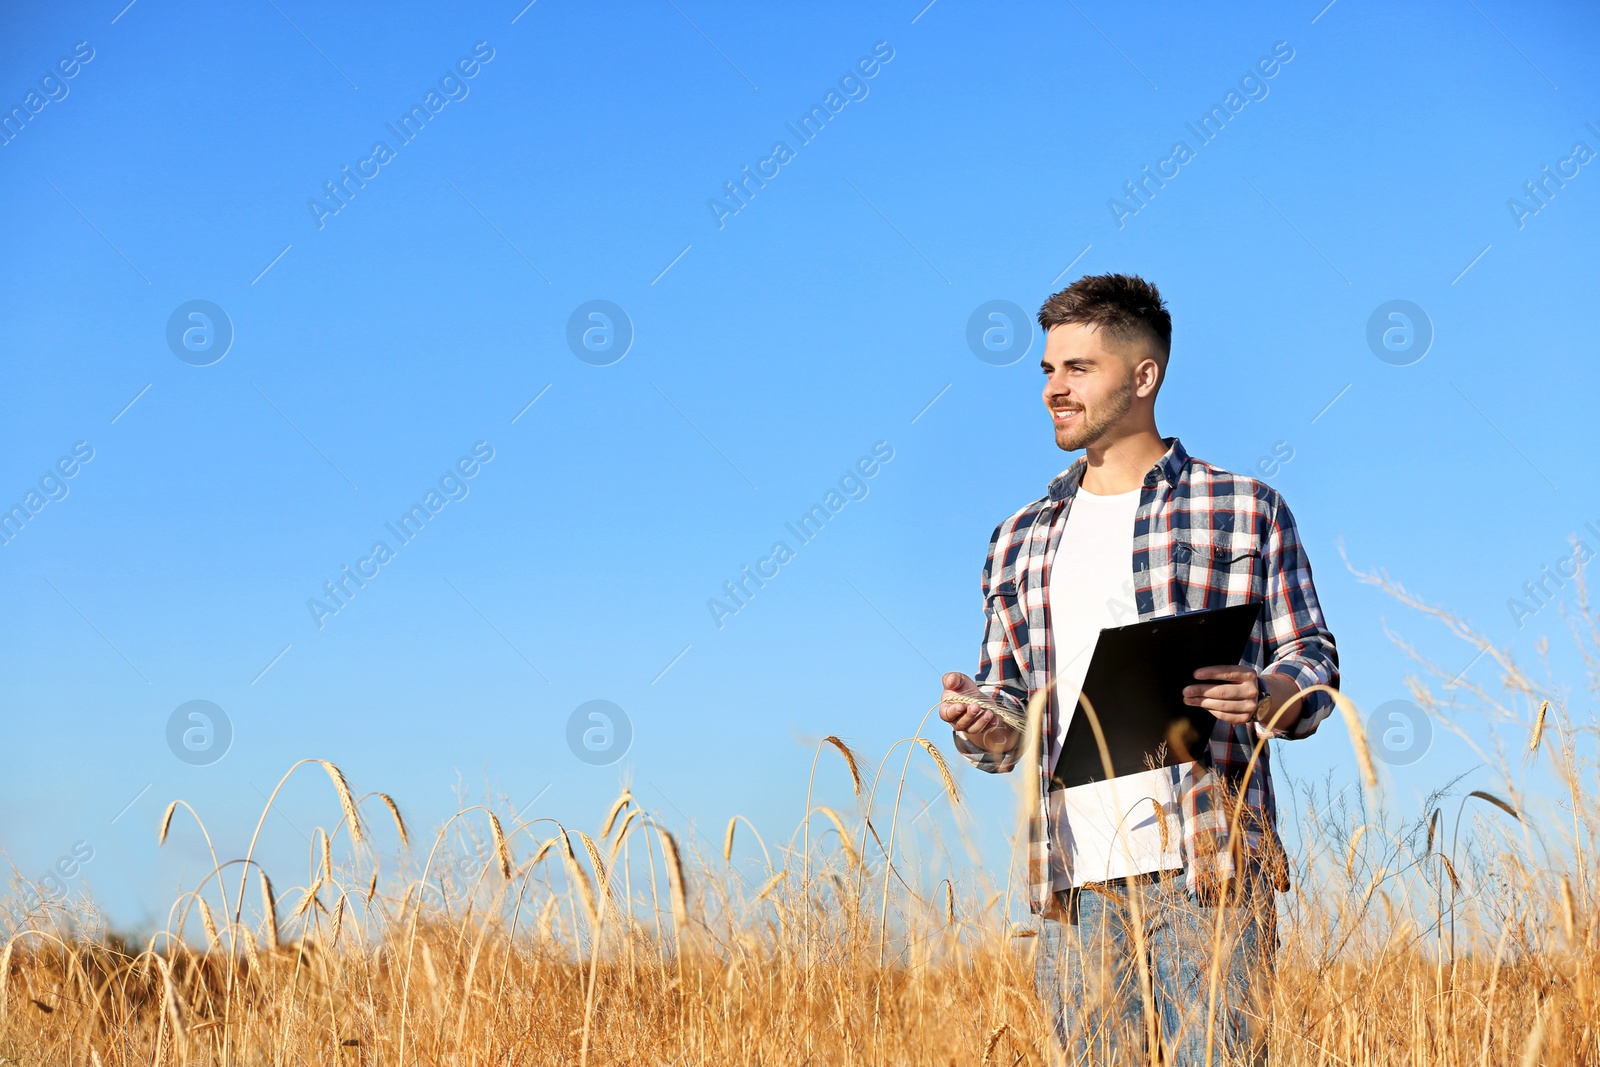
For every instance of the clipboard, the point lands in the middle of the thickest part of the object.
(1136, 680)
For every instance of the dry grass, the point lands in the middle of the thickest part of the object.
(1462, 933)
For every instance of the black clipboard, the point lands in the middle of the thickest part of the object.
(1136, 680)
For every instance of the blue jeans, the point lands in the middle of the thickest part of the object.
(1104, 1009)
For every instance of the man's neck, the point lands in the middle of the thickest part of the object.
(1118, 465)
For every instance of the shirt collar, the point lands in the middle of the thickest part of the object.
(1166, 469)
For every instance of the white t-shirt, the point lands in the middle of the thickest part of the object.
(1103, 829)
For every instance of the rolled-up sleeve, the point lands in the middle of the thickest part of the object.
(1298, 642)
(999, 678)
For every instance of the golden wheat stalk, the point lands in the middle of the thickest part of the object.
(1450, 870)
(269, 908)
(405, 903)
(622, 832)
(1352, 723)
(399, 823)
(249, 947)
(206, 920)
(1001, 712)
(1350, 849)
(502, 848)
(1358, 733)
(844, 837)
(546, 847)
(1030, 762)
(676, 890)
(321, 838)
(602, 879)
(428, 969)
(771, 884)
(1497, 802)
(346, 801)
(305, 901)
(578, 874)
(944, 769)
(849, 759)
(170, 1002)
(994, 1039)
(338, 921)
(1534, 1044)
(5, 971)
(547, 918)
(616, 809)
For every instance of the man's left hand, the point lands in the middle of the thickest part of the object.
(1229, 693)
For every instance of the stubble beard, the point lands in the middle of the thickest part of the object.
(1094, 422)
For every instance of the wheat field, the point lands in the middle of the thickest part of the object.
(1460, 933)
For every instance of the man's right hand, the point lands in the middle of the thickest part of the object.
(981, 726)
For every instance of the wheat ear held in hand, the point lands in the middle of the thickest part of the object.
(1003, 713)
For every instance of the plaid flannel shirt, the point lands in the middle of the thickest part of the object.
(1203, 537)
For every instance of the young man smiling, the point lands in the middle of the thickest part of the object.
(1135, 529)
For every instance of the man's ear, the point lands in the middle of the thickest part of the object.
(1147, 376)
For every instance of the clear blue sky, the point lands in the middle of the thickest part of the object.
(373, 348)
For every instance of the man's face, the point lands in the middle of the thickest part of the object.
(1088, 387)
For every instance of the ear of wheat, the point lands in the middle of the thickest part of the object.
(544, 848)
(399, 823)
(502, 850)
(338, 921)
(1001, 712)
(207, 921)
(617, 807)
(347, 802)
(944, 769)
(844, 835)
(676, 889)
(849, 759)
(305, 901)
(269, 908)
(576, 873)
(327, 853)
(771, 884)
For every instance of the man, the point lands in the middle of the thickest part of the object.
(1139, 883)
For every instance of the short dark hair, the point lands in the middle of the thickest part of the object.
(1123, 306)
